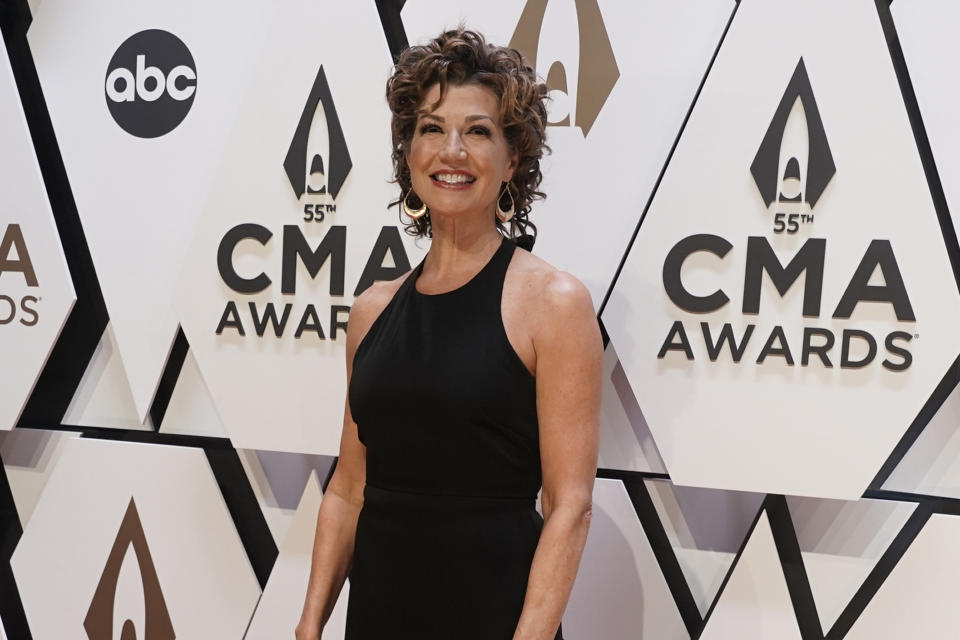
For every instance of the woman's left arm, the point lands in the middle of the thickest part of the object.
(568, 369)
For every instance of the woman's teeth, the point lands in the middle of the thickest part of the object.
(453, 178)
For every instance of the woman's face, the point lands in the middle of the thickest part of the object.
(459, 157)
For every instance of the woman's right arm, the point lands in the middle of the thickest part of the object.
(343, 498)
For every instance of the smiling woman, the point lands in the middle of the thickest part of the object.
(474, 380)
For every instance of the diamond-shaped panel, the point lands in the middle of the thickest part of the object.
(786, 348)
(141, 106)
(133, 531)
(36, 293)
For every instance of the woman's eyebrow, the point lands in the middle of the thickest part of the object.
(471, 118)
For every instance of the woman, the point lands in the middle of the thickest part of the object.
(473, 378)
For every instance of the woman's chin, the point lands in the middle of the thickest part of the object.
(454, 211)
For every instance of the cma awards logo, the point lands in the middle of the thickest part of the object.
(129, 572)
(595, 64)
(151, 83)
(317, 164)
(778, 175)
(318, 135)
(15, 262)
(792, 169)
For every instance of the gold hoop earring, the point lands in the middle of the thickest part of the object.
(416, 214)
(506, 215)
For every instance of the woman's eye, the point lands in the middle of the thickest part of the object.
(428, 128)
(483, 131)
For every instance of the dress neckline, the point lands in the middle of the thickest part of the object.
(465, 285)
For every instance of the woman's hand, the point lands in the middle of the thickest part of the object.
(308, 629)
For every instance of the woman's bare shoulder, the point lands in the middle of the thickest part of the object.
(556, 312)
(549, 289)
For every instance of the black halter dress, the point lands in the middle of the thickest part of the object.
(447, 411)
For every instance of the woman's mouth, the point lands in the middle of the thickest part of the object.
(452, 180)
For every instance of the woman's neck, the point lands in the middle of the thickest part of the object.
(459, 246)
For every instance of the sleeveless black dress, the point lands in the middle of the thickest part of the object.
(447, 411)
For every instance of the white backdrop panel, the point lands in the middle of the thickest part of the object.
(916, 600)
(932, 464)
(36, 293)
(927, 32)
(103, 398)
(779, 417)
(755, 602)
(29, 457)
(191, 410)
(139, 197)
(184, 532)
(706, 528)
(840, 543)
(625, 439)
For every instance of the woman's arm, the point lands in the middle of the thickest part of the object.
(343, 498)
(333, 541)
(569, 360)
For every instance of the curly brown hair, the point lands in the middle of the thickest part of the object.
(458, 57)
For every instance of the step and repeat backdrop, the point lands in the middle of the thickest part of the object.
(757, 195)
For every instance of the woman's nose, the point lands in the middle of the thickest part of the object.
(453, 149)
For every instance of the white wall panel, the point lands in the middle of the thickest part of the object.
(916, 600)
(928, 38)
(29, 457)
(182, 530)
(706, 528)
(840, 543)
(625, 439)
(139, 198)
(191, 410)
(763, 421)
(103, 398)
(36, 293)
(926, 33)
(755, 603)
(932, 464)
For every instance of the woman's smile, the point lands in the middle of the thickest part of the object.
(453, 179)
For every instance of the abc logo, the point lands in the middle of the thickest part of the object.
(151, 83)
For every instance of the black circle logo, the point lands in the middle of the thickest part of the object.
(151, 82)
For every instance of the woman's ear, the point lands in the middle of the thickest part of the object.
(512, 166)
